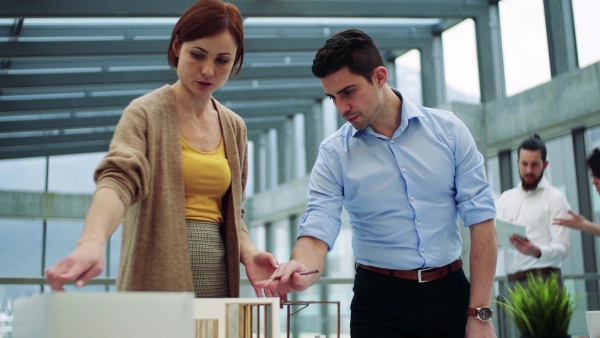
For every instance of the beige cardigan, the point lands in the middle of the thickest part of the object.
(144, 166)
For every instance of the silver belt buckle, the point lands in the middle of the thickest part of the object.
(420, 276)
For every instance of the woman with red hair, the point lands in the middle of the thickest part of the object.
(175, 175)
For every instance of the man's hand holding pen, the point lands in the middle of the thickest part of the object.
(302, 273)
(289, 277)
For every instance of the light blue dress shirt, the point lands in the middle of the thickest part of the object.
(403, 195)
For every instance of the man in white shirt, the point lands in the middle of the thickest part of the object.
(533, 204)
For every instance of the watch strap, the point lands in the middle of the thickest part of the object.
(472, 312)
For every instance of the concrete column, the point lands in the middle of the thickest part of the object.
(269, 237)
(284, 150)
(390, 65)
(489, 54)
(560, 30)
(506, 176)
(290, 150)
(313, 134)
(433, 81)
(257, 138)
(299, 169)
(272, 158)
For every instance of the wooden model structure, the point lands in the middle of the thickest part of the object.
(150, 315)
(237, 317)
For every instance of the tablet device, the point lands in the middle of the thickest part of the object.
(506, 229)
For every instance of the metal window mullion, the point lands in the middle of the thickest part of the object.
(588, 241)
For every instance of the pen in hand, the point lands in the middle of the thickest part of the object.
(300, 273)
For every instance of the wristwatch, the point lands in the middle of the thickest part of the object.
(483, 313)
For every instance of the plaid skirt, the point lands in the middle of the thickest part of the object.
(207, 257)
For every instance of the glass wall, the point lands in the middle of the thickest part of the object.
(524, 44)
(27, 174)
(585, 13)
(408, 76)
(40, 243)
(460, 63)
(73, 173)
(492, 165)
(22, 239)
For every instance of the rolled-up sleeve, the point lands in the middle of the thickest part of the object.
(474, 198)
(322, 217)
(126, 168)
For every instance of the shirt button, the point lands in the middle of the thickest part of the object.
(392, 141)
(418, 223)
(403, 169)
(422, 250)
(412, 198)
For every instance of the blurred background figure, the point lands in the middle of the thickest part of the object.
(578, 221)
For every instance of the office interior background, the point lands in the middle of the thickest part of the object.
(507, 68)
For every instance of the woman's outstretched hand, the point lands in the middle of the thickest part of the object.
(84, 263)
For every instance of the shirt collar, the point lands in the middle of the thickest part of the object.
(408, 111)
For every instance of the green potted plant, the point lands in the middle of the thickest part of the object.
(542, 309)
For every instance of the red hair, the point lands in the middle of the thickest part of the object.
(207, 18)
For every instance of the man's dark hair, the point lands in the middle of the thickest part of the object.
(594, 162)
(533, 143)
(351, 48)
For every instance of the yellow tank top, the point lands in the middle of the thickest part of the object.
(206, 177)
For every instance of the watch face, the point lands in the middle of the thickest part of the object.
(485, 313)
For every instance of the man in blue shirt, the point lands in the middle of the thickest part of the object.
(404, 173)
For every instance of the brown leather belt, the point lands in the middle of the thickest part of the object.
(522, 275)
(421, 275)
